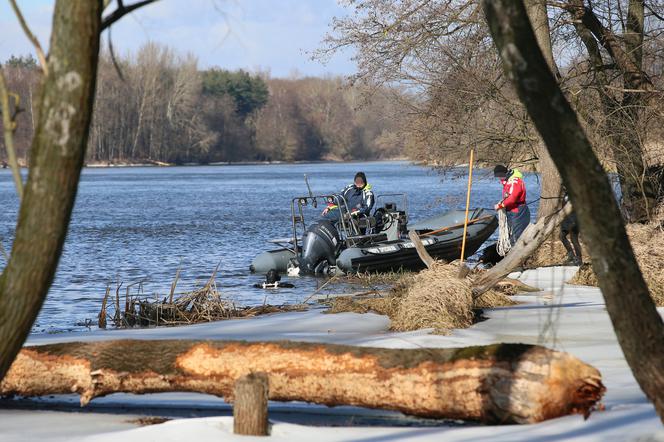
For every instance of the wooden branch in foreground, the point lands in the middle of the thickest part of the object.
(121, 11)
(33, 39)
(501, 383)
(420, 249)
(533, 237)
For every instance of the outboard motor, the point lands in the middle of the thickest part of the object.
(320, 246)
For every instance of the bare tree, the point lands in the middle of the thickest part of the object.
(624, 90)
(440, 51)
(65, 107)
(58, 149)
(637, 324)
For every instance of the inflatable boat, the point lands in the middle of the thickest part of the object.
(375, 243)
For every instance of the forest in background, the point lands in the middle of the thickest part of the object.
(159, 106)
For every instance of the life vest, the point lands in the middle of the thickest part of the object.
(514, 191)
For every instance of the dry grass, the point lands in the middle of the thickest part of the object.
(494, 298)
(551, 253)
(381, 305)
(434, 298)
(148, 420)
(584, 276)
(648, 244)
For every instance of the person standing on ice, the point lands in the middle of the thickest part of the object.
(513, 201)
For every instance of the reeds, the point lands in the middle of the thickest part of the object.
(204, 304)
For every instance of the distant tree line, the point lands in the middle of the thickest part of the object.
(159, 106)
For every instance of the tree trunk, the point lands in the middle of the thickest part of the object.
(57, 152)
(639, 195)
(551, 185)
(501, 383)
(250, 405)
(637, 324)
(531, 239)
(637, 187)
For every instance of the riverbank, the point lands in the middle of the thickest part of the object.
(151, 163)
(155, 163)
(561, 316)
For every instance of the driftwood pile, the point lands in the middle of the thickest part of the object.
(204, 304)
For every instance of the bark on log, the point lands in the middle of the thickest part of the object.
(501, 383)
(533, 237)
(250, 405)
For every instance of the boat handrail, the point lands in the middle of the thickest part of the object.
(348, 227)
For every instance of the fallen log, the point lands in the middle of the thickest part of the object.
(501, 383)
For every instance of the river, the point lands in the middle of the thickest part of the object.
(142, 223)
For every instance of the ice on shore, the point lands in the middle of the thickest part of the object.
(563, 317)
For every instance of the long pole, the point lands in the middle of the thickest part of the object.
(465, 221)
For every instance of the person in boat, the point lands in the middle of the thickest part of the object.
(513, 201)
(359, 197)
(570, 227)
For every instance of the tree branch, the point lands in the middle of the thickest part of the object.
(610, 42)
(652, 11)
(31, 36)
(9, 126)
(121, 11)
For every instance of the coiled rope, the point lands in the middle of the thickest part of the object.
(504, 245)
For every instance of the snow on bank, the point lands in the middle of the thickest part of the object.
(563, 317)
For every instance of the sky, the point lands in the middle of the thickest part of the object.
(272, 35)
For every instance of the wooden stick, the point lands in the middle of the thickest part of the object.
(250, 405)
(31, 36)
(419, 247)
(465, 220)
(472, 221)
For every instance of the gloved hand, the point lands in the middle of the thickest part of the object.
(329, 207)
(355, 212)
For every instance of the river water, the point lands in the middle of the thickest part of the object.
(141, 223)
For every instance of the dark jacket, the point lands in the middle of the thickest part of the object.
(361, 200)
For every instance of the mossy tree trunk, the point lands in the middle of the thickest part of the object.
(502, 383)
(57, 152)
(637, 324)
